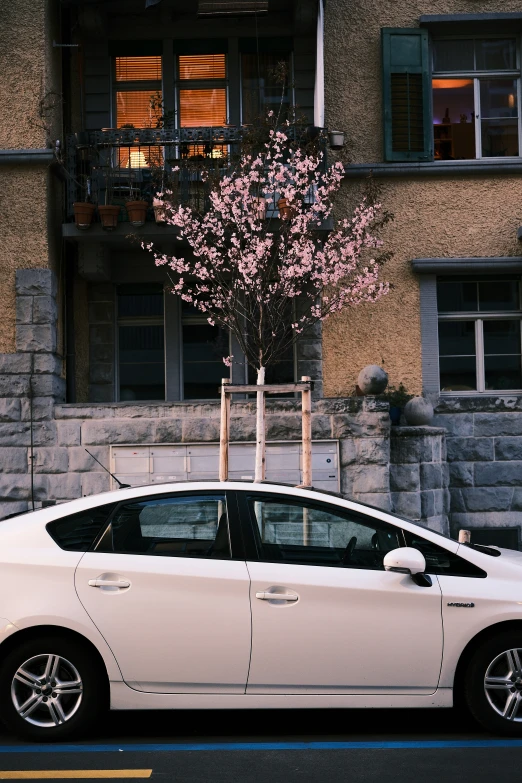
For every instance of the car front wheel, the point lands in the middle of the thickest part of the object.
(50, 689)
(493, 684)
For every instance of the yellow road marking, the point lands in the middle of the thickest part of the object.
(41, 774)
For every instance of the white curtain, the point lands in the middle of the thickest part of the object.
(319, 69)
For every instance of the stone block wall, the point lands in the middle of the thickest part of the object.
(361, 425)
(484, 443)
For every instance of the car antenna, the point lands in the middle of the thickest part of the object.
(120, 483)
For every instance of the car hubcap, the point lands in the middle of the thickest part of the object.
(46, 690)
(503, 685)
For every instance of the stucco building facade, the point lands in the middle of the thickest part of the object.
(95, 356)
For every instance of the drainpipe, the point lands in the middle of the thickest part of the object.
(43, 156)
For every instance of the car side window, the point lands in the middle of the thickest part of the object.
(294, 532)
(180, 526)
(77, 532)
(439, 561)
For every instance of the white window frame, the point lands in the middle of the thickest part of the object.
(478, 318)
(476, 76)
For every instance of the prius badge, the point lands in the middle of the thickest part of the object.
(463, 606)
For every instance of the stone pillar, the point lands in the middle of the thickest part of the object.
(419, 475)
(31, 383)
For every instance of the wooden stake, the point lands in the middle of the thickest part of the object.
(224, 430)
(259, 474)
(306, 405)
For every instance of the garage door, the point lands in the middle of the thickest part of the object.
(139, 465)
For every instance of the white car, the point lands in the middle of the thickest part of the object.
(233, 595)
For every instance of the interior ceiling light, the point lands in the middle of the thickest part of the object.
(231, 7)
(451, 84)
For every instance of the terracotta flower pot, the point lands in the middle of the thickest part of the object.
(109, 216)
(285, 211)
(83, 213)
(137, 212)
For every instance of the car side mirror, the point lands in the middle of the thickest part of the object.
(407, 560)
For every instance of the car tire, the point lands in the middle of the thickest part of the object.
(493, 684)
(51, 688)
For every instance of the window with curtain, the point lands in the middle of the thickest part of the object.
(138, 103)
(202, 90)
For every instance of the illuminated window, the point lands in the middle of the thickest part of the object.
(475, 98)
(202, 94)
(138, 104)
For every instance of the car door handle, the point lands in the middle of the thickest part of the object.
(265, 596)
(108, 583)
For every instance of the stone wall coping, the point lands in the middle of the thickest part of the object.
(332, 405)
(487, 404)
(415, 432)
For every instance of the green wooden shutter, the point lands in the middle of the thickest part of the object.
(408, 132)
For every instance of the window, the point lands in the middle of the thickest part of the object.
(260, 89)
(439, 561)
(293, 532)
(186, 526)
(78, 532)
(138, 103)
(202, 96)
(479, 334)
(476, 84)
(204, 347)
(141, 343)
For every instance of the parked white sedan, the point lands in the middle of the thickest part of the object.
(233, 595)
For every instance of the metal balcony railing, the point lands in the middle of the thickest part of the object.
(115, 166)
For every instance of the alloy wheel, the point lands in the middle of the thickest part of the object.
(503, 684)
(46, 690)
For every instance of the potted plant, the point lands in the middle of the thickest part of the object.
(397, 397)
(136, 207)
(109, 213)
(286, 212)
(84, 210)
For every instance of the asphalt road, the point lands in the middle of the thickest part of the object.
(278, 747)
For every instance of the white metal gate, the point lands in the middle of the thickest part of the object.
(139, 465)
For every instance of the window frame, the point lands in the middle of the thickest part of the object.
(252, 538)
(105, 543)
(137, 321)
(133, 86)
(199, 84)
(255, 545)
(476, 76)
(478, 317)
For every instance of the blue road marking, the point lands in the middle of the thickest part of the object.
(249, 746)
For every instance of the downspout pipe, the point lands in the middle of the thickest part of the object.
(42, 156)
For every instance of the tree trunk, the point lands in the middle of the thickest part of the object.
(260, 429)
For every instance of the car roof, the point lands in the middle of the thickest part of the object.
(45, 515)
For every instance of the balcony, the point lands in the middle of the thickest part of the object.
(115, 166)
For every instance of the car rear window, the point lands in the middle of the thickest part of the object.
(77, 532)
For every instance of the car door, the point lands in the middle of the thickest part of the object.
(326, 616)
(168, 588)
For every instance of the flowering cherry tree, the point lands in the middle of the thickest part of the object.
(247, 272)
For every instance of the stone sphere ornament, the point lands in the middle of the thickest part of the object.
(418, 412)
(372, 379)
